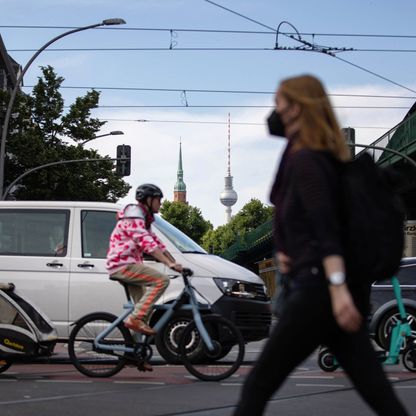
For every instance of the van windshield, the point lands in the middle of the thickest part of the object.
(181, 241)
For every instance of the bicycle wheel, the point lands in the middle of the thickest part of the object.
(327, 361)
(84, 355)
(228, 353)
(409, 357)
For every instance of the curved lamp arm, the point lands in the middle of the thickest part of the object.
(106, 22)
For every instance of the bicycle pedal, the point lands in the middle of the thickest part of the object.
(144, 366)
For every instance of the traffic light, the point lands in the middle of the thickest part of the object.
(123, 160)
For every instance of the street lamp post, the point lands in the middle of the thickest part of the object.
(112, 133)
(107, 22)
(46, 165)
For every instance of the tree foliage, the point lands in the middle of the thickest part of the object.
(252, 215)
(187, 218)
(38, 134)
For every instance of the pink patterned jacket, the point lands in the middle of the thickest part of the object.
(130, 239)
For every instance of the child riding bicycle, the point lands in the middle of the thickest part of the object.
(131, 237)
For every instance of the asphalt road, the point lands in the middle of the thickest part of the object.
(58, 389)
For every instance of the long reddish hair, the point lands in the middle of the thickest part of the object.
(318, 126)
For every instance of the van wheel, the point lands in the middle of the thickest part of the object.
(391, 318)
(168, 338)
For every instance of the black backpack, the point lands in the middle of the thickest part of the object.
(372, 216)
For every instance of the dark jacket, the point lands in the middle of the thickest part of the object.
(307, 223)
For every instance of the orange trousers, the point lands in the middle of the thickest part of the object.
(146, 285)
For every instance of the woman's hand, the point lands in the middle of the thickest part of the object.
(284, 262)
(345, 312)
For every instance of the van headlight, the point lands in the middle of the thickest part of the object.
(236, 288)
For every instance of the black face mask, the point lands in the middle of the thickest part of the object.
(275, 123)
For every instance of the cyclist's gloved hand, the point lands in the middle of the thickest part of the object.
(176, 266)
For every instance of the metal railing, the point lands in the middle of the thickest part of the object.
(401, 138)
(250, 240)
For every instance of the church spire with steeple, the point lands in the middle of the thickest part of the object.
(179, 192)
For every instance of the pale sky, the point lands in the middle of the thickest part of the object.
(186, 67)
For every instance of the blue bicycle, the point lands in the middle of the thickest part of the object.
(401, 341)
(210, 346)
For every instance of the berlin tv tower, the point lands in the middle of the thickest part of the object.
(228, 196)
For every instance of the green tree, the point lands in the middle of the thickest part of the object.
(187, 218)
(218, 240)
(252, 215)
(37, 135)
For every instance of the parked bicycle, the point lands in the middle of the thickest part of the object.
(210, 346)
(402, 341)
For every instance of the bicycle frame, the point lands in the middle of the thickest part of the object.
(187, 294)
(400, 332)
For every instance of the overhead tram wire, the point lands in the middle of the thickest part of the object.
(148, 49)
(177, 48)
(312, 47)
(212, 49)
(215, 122)
(375, 74)
(237, 123)
(362, 107)
(225, 31)
(384, 50)
(327, 51)
(241, 15)
(218, 91)
(190, 90)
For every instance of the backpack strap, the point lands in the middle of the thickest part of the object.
(133, 211)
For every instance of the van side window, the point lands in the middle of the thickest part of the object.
(96, 228)
(407, 275)
(34, 232)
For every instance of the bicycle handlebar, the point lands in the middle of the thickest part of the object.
(187, 272)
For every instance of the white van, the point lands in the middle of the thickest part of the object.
(54, 252)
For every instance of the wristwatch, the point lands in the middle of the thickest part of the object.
(336, 278)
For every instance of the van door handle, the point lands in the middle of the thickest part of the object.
(86, 266)
(56, 265)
